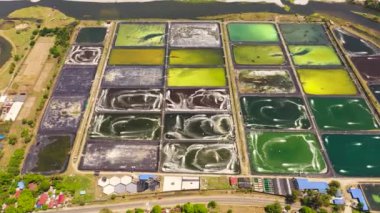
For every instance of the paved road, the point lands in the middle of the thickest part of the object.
(221, 199)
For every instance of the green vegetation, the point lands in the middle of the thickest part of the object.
(15, 162)
(315, 200)
(273, 208)
(374, 4)
(156, 209)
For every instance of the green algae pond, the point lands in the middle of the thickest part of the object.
(342, 114)
(354, 155)
(252, 32)
(265, 81)
(285, 153)
(210, 57)
(304, 33)
(137, 57)
(318, 82)
(314, 55)
(258, 55)
(189, 77)
(274, 113)
(91, 35)
(140, 35)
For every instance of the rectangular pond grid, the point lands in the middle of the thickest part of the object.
(339, 109)
(56, 134)
(187, 94)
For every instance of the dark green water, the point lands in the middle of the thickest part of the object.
(304, 33)
(91, 35)
(342, 114)
(354, 155)
(5, 51)
(274, 113)
(53, 156)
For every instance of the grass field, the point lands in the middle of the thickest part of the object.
(137, 57)
(196, 57)
(188, 77)
(288, 153)
(239, 32)
(314, 55)
(141, 35)
(258, 55)
(318, 82)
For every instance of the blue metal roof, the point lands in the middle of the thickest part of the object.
(357, 194)
(21, 185)
(2, 137)
(146, 176)
(338, 201)
(305, 184)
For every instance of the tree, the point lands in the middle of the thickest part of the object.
(273, 208)
(211, 204)
(26, 201)
(12, 139)
(360, 206)
(306, 209)
(129, 211)
(315, 200)
(188, 208)
(137, 210)
(288, 207)
(200, 208)
(333, 187)
(229, 211)
(156, 209)
(292, 198)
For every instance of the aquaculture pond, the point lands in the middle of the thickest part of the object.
(314, 55)
(274, 113)
(375, 91)
(137, 57)
(265, 81)
(194, 35)
(211, 57)
(318, 82)
(187, 126)
(74, 80)
(124, 77)
(372, 195)
(258, 55)
(53, 154)
(342, 114)
(196, 77)
(200, 157)
(285, 153)
(197, 100)
(368, 66)
(140, 35)
(252, 32)
(49, 155)
(91, 35)
(108, 155)
(5, 51)
(126, 126)
(304, 33)
(129, 100)
(84, 55)
(62, 114)
(354, 155)
(354, 45)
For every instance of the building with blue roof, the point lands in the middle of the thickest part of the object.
(338, 201)
(358, 194)
(146, 177)
(2, 137)
(303, 184)
(21, 185)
